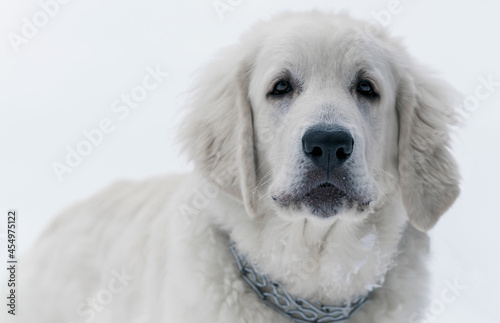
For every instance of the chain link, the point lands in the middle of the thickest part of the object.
(297, 309)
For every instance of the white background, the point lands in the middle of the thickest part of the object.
(65, 78)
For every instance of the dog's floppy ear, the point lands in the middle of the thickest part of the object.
(217, 132)
(428, 172)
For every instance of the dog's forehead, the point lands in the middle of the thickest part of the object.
(320, 48)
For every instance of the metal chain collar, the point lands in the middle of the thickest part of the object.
(300, 310)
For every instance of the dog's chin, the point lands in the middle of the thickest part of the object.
(326, 201)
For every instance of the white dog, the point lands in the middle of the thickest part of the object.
(321, 157)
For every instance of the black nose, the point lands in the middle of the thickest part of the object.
(327, 149)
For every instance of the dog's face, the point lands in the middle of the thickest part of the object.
(310, 116)
(325, 121)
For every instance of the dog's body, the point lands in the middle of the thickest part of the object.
(180, 268)
(263, 120)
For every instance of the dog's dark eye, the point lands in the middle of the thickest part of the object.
(281, 87)
(366, 88)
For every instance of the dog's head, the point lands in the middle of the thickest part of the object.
(323, 120)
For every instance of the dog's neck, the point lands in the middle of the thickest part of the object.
(329, 263)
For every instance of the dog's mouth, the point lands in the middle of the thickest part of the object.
(323, 200)
(326, 191)
(326, 200)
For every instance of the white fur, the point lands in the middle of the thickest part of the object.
(172, 233)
